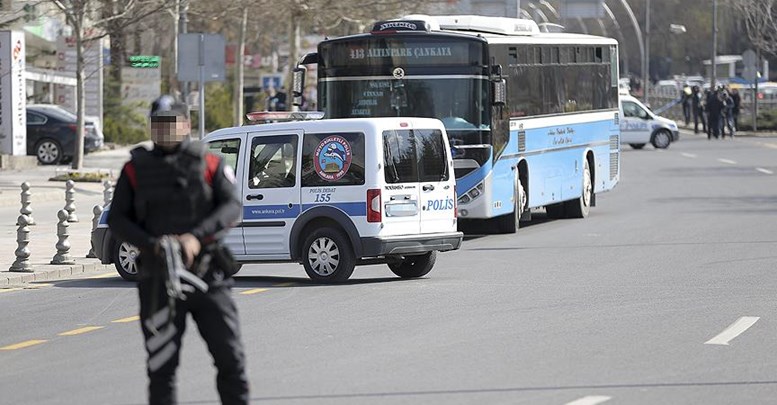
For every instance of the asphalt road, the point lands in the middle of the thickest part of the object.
(664, 295)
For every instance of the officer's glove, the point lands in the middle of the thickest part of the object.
(190, 248)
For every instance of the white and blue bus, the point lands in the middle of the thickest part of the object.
(532, 117)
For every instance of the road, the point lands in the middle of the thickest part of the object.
(663, 295)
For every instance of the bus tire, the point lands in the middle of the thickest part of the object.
(580, 207)
(327, 256)
(637, 145)
(511, 222)
(414, 266)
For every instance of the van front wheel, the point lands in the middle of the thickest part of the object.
(413, 266)
(327, 256)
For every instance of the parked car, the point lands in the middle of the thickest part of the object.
(51, 134)
(332, 194)
(640, 126)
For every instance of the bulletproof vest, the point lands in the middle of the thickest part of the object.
(171, 196)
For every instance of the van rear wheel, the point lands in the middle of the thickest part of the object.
(413, 266)
(327, 256)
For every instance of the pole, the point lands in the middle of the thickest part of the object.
(755, 91)
(634, 22)
(646, 61)
(183, 19)
(713, 61)
(202, 86)
(241, 51)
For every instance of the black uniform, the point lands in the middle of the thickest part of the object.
(171, 193)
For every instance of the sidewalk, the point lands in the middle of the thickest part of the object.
(47, 198)
(750, 134)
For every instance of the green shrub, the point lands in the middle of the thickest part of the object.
(124, 125)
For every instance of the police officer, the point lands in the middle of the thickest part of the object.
(180, 191)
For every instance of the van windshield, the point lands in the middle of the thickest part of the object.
(415, 155)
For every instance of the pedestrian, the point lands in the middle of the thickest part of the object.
(714, 114)
(685, 100)
(727, 117)
(178, 191)
(737, 99)
(697, 104)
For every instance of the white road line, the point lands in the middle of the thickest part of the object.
(731, 162)
(737, 328)
(764, 171)
(589, 400)
(688, 155)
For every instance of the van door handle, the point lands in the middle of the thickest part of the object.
(257, 197)
(427, 187)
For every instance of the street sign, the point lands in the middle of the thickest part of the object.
(749, 58)
(144, 61)
(272, 80)
(191, 54)
(582, 9)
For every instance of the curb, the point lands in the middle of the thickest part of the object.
(8, 278)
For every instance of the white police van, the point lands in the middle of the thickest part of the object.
(640, 125)
(332, 194)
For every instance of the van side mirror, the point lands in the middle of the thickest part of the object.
(298, 84)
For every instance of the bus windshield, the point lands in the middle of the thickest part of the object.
(460, 103)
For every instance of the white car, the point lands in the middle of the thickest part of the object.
(331, 194)
(640, 125)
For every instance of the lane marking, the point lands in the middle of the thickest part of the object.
(590, 400)
(688, 155)
(737, 328)
(127, 319)
(80, 330)
(253, 291)
(9, 289)
(727, 161)
(22, 345)
(764, 171)
(106, 275)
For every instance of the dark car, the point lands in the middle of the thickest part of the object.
(51, 134)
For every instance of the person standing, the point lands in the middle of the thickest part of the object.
(178, 191)
(714, 114)
(737, 100)
(697, 104)
(685, 99)
(727, 117)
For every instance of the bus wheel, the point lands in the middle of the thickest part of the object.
(580, 207)
(414, 266)
(511, 222)
(327, 256)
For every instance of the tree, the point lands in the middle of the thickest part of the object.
(760, 18)
(88, 20)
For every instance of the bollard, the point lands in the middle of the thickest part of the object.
(107, 192)
(63, 245)
(97, 210)
(22, 262)
(70, 201)
(27, 203)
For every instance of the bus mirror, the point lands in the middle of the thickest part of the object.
(499, 91)
(298, 84)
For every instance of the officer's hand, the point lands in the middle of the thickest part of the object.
(190, 248)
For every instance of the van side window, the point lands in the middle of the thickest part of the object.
(228, 149)
(333, 159)
(633, 110)
(417, 155)
(273, 162)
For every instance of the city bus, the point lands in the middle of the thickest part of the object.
(532, 117)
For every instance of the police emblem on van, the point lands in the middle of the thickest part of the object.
(333, 158)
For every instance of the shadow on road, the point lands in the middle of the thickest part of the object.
(296, 282)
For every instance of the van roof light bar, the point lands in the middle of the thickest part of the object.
(284, 116)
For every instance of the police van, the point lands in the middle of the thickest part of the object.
(331, 194)
(640, 125)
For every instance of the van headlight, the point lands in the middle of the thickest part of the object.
(472, 194)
